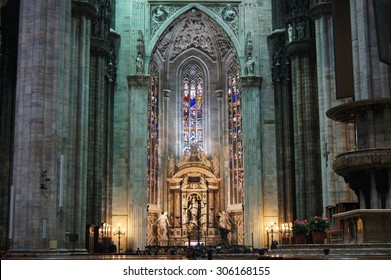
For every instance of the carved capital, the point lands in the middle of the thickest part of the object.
(82, 8)
(322, 8)
(138, 80)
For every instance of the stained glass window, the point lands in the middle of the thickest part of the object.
(153, 140)
(192, 107)
(235, 137)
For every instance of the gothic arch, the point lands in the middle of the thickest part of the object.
(219, 22)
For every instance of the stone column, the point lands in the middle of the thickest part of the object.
(137, 191)
(220, 151)
(284, 127)
(50, 119)
(165, 128)
(98, 108)
(334, 137)
(8, 61)
(301, 51)
(110, 78)
(253, 188)
(73, 128)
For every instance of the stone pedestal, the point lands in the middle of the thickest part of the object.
(366, 225)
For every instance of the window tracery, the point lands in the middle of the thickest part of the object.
(193, 108)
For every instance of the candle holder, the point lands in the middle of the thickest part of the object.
(272, 230)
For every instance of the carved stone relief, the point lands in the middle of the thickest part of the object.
(160, 13)
(194, 30)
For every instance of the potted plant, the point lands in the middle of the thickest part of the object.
(300, 230)
(318, 227)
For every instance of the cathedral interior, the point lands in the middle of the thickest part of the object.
(225, 119)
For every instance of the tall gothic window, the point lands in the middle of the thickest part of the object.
(192, 107)
(153, 139)
(235, 137)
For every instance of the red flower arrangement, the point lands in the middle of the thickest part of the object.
(318, 223)
(300, 227)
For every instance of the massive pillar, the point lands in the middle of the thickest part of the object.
(98, 113)
(9, 22)
(50, 125)
(284, 127)
(253, 183)
(73, 129)
(334, 137)
(301, 51)
(137, 190)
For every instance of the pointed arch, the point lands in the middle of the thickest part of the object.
(219, 22)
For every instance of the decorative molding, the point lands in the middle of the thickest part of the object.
(196, 30)
(82, 8)
(347, 112)
(362, 159)
(100, 27)
(161, 11)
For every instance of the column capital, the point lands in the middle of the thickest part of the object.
(138, 80)
(319, 9)
(83, 8)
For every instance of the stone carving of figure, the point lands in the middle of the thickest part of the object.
(205, 160)
(139, 64)
(185, 158)
(185, 182)
(290, 33)
(215, 165)
(171, 165)
(184, 217)
(250, 66)
(203, 183)
(224, 221)
(163, 224)
(194, 209)
(160, 14)
(300, 30)
(229, 14)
